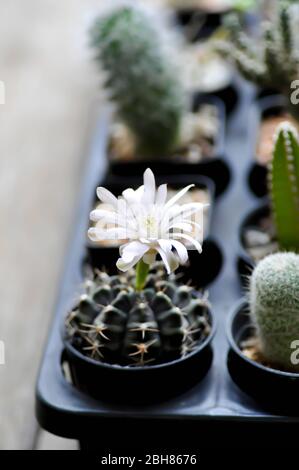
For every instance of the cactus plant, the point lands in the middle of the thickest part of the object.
(284, 186)
(141, 81)
(271, 61)
(274, 307)
(114, 323)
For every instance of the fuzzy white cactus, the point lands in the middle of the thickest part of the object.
(274, 307)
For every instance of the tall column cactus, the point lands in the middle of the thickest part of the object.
(140, 79)
(274, 307)
(284, 186)
(272, 60)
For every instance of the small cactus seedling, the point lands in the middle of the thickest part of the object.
(272, 61)
(284, 187)
(141, 81)
(274, 306)
(116, 324)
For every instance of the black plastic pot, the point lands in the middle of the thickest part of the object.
(269, 105)
(215, 167)
(228, 95)
(202, 268)
(274, 389)
(245, 262)
(140, 385)
(265, 92)
(208, 22)
(257, 179)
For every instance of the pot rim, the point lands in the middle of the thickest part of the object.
(200, 347)
(268, 102)
(239, 308)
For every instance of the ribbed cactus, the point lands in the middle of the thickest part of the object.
(284, 187)
(274, 306)
(113, 323)
(140, 79)
(272, 60)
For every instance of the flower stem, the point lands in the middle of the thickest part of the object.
(142, 270)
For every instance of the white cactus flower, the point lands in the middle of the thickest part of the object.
(149, 223)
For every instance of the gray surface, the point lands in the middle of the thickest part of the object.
(51, 87)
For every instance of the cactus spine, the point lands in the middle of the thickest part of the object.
(272, 61)
(274, 306)
(284, 187)
(141, 81)
(116, 324)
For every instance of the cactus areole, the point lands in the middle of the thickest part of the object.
(142, 317)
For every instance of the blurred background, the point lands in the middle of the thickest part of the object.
(45, 126)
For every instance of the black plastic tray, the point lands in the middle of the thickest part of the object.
(215, 412)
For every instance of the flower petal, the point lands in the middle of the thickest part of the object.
(133, 249)
(185, 226)
(130, 253)
(185, 211)
(139, 192)
(178, 196)
(125, 266)
(130, 196)
(106, 196)
(93, 234)
(192, 240)
(181, 251)
(100, 214)
(161, 195)
(126, 214)
(149, 187)
(97, 234)
(168, 257)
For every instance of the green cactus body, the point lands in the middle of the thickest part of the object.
(272, 61)
(274, 306)
(284, 187)
(114, 323)
(140, 80)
